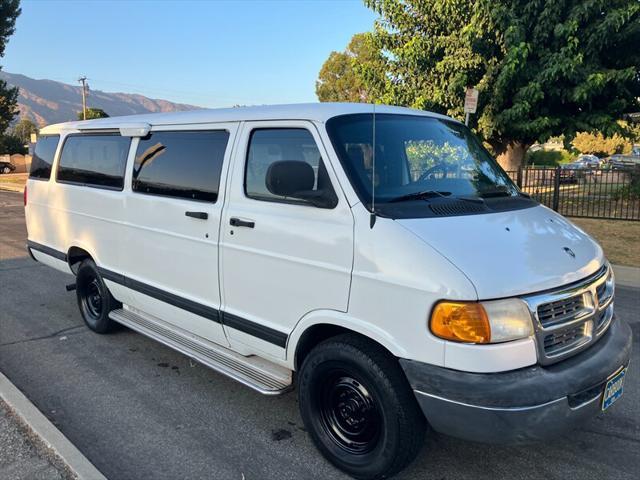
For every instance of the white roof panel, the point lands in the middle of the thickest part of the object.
(307, 111)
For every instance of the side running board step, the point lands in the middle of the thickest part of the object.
(252, 371)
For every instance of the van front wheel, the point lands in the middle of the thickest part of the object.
(94, 299)
(358, 407)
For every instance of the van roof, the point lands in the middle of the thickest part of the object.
(320, 112)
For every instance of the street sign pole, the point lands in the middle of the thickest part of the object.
(470, 103)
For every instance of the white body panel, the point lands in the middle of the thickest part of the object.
(512, 253)
(295, 260)
(302, 266)
(173, 252)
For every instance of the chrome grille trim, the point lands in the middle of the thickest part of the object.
(573, 317)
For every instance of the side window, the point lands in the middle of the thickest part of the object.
(94, 160)
(43, 156)
(181, 164)
(284, 165)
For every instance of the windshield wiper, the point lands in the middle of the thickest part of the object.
(497, 192)
(423, 195)
(469, 198)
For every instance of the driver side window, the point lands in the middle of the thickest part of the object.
(284, 165)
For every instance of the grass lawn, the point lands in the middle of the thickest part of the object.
(14, 179)
(620, 239)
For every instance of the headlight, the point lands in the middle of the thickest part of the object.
(482, 322)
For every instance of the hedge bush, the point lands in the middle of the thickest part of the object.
(548, 158)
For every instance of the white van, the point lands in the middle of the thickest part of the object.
(376, 257)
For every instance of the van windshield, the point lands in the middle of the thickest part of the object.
(417, 160)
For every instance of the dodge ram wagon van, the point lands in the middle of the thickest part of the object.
(377, 258)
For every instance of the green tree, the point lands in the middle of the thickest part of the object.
(9, 11)
(598, 144)
(24, 128)
(543, 68)
(93, 113)
(11, 144)
(355, 75)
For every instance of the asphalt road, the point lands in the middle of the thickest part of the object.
(138, 410)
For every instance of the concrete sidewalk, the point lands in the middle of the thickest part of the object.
(627, 276)
(21, 457)
(31, 447)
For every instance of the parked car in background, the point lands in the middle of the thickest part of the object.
(7, 167)
(623, 161)
(569, 172)
(588, 161)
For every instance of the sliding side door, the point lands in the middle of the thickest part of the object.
(173, 206)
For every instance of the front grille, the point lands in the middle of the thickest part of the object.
(561, 311)
(604, 292)
(564, 340)
(604, 317)
(571, 318)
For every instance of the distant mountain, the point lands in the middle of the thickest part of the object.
(46, 101)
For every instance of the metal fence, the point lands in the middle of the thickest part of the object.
(591, 193)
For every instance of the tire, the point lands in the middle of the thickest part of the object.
(6, 170)
(358, 407)
(94, 299)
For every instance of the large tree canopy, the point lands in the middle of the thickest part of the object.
(543, 68)
(9, 11)
(355, 75)
(23, 130)
(93, 113)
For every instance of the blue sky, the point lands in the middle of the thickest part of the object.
(207, 53)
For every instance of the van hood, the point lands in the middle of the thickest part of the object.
(512, 253)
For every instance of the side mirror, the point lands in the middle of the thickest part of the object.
(296, 179)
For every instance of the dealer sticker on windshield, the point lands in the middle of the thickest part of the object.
(613, 389)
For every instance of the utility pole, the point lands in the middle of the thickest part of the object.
(83, 81)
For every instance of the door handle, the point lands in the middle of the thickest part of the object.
(200, 215)
(236, 222)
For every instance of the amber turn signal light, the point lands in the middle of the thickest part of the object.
(461, 322)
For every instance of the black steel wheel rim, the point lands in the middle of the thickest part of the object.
(92, 299)
(349, 414)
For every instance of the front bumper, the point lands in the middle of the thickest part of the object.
(520, 406)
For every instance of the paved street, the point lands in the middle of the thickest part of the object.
(138, 410)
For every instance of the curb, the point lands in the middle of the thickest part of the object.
(52, 438)
(627, 276)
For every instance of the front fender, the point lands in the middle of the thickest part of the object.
(344, 320)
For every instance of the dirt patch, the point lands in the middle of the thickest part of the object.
(13, 181)
(620, 239)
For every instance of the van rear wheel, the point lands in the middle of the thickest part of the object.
(358, 407)
(94, 299)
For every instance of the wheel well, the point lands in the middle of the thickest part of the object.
(319, 333)
(75, 255)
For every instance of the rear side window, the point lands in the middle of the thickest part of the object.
(181, 164)
(94, 160)
(43, 156)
